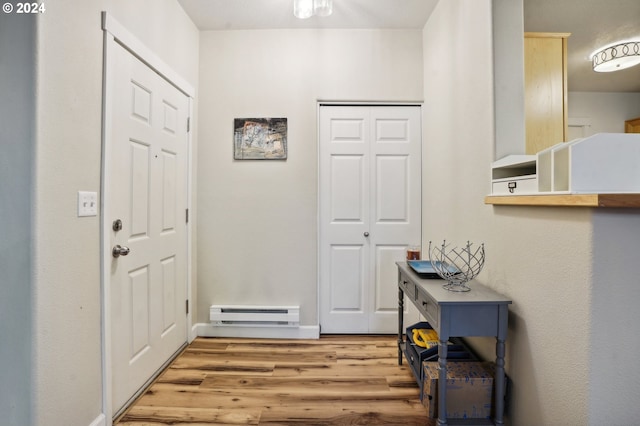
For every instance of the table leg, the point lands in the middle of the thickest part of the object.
(400, 323)
(500, 382)
(442, 382)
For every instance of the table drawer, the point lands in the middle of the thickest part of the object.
(408, 287)
(429, 308)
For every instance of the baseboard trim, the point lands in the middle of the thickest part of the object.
(101, 420)
(302, 332)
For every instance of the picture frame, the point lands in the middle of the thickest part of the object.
(260, 138)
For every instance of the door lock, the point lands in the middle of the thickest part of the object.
(119, 250)
(117, 225)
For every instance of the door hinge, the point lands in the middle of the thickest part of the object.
(188, 124)
(186, 215)
(187, 306)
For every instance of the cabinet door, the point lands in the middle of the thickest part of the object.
(545, 90)
(632, 126)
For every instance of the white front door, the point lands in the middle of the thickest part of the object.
(370, 211)
(147, 194)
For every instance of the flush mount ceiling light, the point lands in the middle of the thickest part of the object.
(304, 9)
(616, 57)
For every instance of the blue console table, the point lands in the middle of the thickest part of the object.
(479, 312)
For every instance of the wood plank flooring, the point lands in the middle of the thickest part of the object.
(336, 380)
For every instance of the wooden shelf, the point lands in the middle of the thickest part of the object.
(567, 200)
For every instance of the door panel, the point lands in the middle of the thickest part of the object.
(370, 199)
(347, 130)
(397, 204)
(347, 188)
(139, 310)
(147, 191)
(141, 100)
(392, 189)
(386, 296)
(169, 291)
(392, 130)
(138, 163)
(347, 280)
(169, 196)
(170, 117)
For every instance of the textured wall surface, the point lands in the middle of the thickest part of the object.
(257, 229)
(67, 296)
(540, 257)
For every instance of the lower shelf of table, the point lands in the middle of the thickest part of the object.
(470, 422)
(416, 367)
(417, 375)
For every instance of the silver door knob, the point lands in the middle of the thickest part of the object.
(119, 250)
(366, 234)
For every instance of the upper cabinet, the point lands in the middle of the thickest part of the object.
(632, 126)
(545, 77)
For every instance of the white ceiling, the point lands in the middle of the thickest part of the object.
(592, 24)
(273, 14)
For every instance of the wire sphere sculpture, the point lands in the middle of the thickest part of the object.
(457, 265)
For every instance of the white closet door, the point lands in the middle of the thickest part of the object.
(370, 211)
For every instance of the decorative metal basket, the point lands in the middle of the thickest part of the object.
(457, 265)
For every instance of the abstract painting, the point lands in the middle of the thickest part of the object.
(260, 138)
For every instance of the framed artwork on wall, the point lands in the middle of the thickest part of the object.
(260, 139)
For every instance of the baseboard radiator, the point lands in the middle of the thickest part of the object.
(254, 316)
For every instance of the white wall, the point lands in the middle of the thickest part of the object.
(508, 77)
(66, 311)
(615, 319)
(257, 226)
(606, 112)
(539, 257)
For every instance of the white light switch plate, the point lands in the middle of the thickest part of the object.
(87, 203)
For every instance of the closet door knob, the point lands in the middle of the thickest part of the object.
(366, 234)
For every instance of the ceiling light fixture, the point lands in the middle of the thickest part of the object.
(304, 9)
(616, 57)
(322, 7)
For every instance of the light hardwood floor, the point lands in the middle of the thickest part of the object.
(336, 380)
